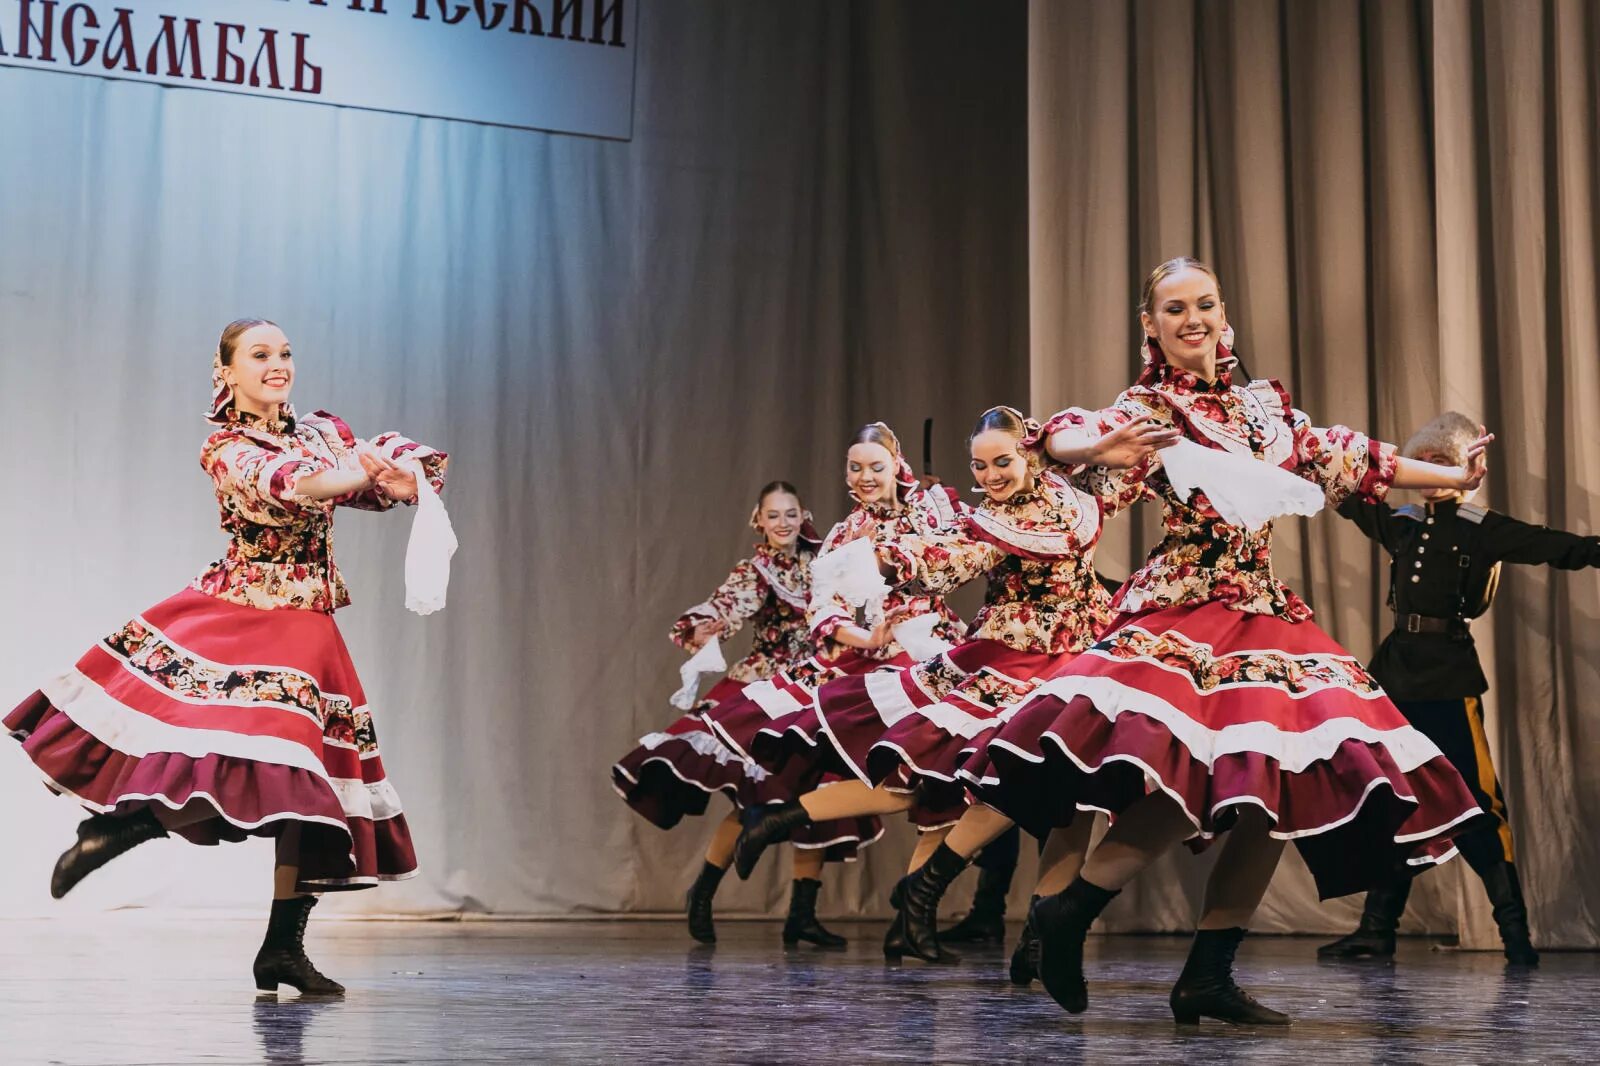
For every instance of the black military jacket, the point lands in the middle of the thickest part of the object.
(1446, 559)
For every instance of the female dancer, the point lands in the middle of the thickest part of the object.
(232, 708)
(1214, 703)
(908, 730)
(674, 772)
(889, 505)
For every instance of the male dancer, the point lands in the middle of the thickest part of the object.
(1446, 566)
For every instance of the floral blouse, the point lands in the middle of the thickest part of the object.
(769, 590)
(1037, 551)
(923, 512)
(1203, 558)
(280, 552)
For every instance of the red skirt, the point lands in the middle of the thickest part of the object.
(1219, 708)
(257, 713)
(920, 724)
(675, 772)
(768, 721)
(776, 724)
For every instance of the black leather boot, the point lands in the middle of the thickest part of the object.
(802, 922)
(1062, 922)
(1206, 988)
(985, 923)
(917, 897)
(698, 903)
(101, 838)
(282, 958)
(764, 826)
(1510, 913)
(1380, 917)
(1025, 958)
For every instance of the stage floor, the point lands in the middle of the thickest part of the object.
(130, 989)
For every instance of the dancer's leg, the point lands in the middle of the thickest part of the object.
(808, 864)
(802, 923)
(286, 862)
(282, 958)
(1137, 837)
(915, 930)
(980, 825)
(1243, 872)
(994, 838)
(719, 852)
(847, 799)
(697, 903)
(1065, 850)
(852, 799)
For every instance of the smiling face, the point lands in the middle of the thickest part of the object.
(1185, 317)
(779, 519)
(260, 371)
(869, 473)
(998, 464)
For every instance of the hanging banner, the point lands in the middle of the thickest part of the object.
(560, 65)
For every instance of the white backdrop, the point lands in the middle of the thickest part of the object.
(820, 221)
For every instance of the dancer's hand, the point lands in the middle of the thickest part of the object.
(1477, 464)
(1128, 446)
(392, 480)
(703, 632)
(882, 634)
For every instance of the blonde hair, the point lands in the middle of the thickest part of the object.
(877, 433)
(1161, 273)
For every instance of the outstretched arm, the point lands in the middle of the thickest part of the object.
(1514, 541)
(1416, 474)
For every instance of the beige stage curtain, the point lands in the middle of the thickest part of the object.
(1400, 198)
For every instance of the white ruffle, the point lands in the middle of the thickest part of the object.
(916, 636)
(708, 660)
(1244, 491)
(850, 573)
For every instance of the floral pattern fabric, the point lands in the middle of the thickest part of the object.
(1036, 550)
(280, 551)
(1211, 672)
(1202, 558)
(222, 687)
(924, 512)
(770, 591)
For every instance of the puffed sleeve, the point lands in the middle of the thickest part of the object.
(1343, 461)
(939, 562)
(1119, 489)
(735, 600)
(257, 481)
(390, 445)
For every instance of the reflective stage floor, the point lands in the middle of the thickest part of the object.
(129, 989)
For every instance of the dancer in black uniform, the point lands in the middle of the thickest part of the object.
(1447, 555)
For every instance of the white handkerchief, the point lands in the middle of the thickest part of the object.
(708, 660)
(428, 553)
(850, 573)
(915, 635)
(1244, 491)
